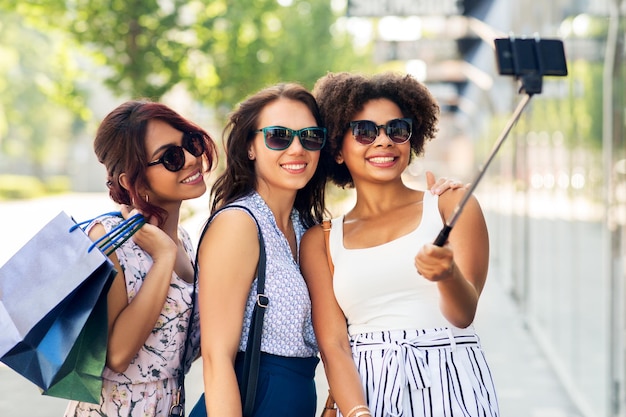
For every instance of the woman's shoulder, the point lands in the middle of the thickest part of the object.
(313, 232)
(104, 223)
(316, 233)
(234, 220)
(110, 218)
(238, 209)
(252, 204)
(228, 232)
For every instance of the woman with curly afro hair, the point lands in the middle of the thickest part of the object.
(393, 318)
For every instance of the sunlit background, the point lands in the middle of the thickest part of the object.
(554, 197)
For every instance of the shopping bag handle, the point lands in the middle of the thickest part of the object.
(112, 240)
(83, 224)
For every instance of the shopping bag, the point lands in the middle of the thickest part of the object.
(79, 377)
(53, 319)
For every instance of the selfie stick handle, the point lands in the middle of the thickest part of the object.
(447, 228)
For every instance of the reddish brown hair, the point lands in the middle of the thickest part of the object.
(120, 147)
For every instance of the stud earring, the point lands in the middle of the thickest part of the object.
(147, 199)
(250, 156)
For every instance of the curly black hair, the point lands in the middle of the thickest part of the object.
(342, 95)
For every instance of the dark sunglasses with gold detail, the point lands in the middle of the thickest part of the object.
(173, 159)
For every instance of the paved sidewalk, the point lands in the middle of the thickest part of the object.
(525, 382)
(526, 385)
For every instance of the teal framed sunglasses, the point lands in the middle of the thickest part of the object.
(279, 138)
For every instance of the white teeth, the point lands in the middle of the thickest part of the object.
(381, 159)
(192, 178)
(294, 166)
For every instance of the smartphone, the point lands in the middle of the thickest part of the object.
(526, 56)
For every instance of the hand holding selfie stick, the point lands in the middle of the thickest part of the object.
(528, 60)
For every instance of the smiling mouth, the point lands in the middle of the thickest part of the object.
(192, 178)
(294, 167)
(381, 159)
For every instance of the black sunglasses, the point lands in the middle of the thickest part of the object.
(398, 130)
(173, 159)
(279, 138)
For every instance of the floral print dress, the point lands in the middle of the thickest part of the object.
(149, 385)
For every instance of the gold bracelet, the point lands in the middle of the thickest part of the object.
(358, 407)
(363, 413)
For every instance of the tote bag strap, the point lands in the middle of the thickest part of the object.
(252, 356)
(116, 237)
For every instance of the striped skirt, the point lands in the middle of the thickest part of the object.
(434, 372)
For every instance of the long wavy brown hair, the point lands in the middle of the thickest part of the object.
(342, 95)
(239, 178)
(120, 147)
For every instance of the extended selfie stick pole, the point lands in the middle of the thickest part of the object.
(528, 60)
(443, 235)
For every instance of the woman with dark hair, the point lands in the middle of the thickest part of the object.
(155, 159)
(394, 320)
(273, 142)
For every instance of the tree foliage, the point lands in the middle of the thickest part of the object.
(247, 45)
(142, 43)
(39, 98)
(53, 53)
(219, 50)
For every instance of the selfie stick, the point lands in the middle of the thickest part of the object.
(443, 234)
(531, 83)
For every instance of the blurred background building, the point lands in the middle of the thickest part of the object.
(555, 196)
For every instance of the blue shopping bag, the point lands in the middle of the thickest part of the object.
(53, 312)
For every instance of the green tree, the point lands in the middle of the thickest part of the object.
(240, 47)
(39, 98)
(143, 44)
(220, 50)
(247, 45)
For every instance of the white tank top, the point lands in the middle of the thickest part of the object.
(378, 288)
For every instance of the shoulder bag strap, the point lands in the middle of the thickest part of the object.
(330, 408)
(252, 355)
(326, 225)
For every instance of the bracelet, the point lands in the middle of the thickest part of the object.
(358, 407)
(362, 413)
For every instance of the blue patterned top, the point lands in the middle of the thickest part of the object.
(287, 327)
